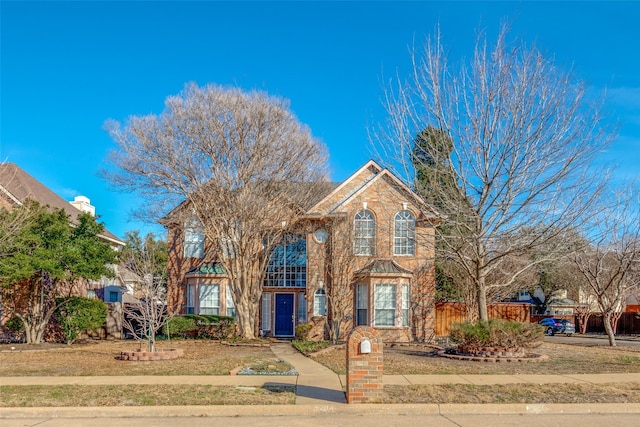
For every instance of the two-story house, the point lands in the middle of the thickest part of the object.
(371, 228)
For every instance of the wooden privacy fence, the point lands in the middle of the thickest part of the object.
(448, 313)
(629, 324)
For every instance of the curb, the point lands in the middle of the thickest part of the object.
(284, 410)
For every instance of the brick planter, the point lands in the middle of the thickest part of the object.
(491, 352)
(150, 356)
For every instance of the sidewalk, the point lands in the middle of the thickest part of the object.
(319, 390)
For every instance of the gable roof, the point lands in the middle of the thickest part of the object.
(362, 179)
(16, 186)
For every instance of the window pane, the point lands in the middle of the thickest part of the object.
(209, 299)
(193, 239)
(288, 263)
(319, 303)
(266, 311)
(302, 308)
(364, 233)
(404, 233)
(191, 299)
(362, 305)
(384, 305)
(231, 308)
(405, 305)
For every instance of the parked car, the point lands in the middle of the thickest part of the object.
(557, 326)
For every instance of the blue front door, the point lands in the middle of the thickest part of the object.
(284, 315)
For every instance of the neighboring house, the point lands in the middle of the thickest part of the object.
(16, 186)
(387, 229)
(633, 303)
(559, 303)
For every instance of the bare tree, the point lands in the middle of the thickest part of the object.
(149, 313)
(525, 136)
(242, 164)
(610, 264)
(341, 263)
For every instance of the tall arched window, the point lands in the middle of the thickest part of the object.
(404, 233)
(364, 233)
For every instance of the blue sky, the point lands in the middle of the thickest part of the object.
(66, 67)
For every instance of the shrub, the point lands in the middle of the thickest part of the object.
(303, 330)
(207, 326)
(496, 333)
(15, 324)
(180, 327)
(78, 314)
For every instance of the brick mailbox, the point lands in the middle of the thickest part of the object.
(364, 366)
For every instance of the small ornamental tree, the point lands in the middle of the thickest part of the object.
(78, 314)
(149, 313)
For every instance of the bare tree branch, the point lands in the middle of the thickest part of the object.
(241, 164)
(525, 136)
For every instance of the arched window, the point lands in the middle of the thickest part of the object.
(320, 303)
(404, 233)
(288, 263)
(364, 233)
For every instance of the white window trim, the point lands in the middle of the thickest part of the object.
(266, 312)
(393, 304)
(209, 309)
(191, 299)
(359, 236)
(229, 302)
(407, 241)
(362, 303)
(193, 235)
(320, 303)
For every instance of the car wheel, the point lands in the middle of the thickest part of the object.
(549, 331)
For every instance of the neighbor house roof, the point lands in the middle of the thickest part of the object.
(16, 186)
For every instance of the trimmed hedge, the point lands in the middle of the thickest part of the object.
(77, 314)
(207, 326)
(496, 333)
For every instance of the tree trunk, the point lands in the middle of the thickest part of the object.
(483, 314)
(34, 331)
(246, 318)
(609, 329)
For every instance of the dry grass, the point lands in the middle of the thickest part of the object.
(95, 358)
(563, 359)
(142, 395)
(213, 358)
(514, 393)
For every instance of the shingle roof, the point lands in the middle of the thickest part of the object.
(386, 266)
(16, 186)
(209, 268)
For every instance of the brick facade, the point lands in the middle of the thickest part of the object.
(384, 196)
